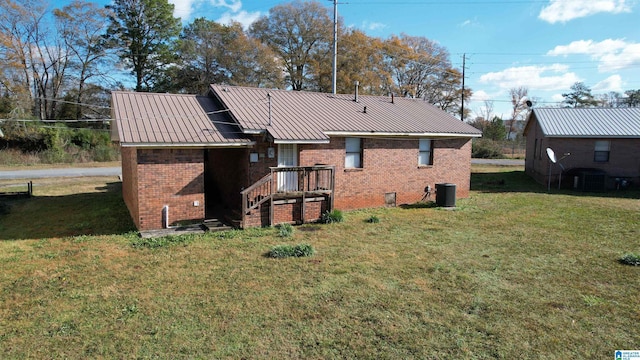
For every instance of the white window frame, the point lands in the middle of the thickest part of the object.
(601, 151)
(353, 153)
(425, 152)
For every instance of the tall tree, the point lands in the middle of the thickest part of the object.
(15, 48)
(143, 31)
(495, 130)
(296, 32)
(415, 61)
(209, 52)
(34, 53)
(444, 90)
(421, 68)
(249, 62)
(632, 98)
(519, 108)
(360, 58)
(82, 26)
(580, 96)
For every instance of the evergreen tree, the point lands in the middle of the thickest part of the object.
(143, 31)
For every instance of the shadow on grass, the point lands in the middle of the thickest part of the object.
(95, 213)
(518, 181)
(420, 205)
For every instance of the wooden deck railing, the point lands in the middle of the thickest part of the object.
(256, 194)
(289, 182)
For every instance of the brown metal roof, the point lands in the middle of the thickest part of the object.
(149, 119)
(296, 116)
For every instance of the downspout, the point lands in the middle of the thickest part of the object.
(165, 217)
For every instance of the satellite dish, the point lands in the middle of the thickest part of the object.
(529, 103)
(551, 155)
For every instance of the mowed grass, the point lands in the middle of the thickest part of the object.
(513, 272)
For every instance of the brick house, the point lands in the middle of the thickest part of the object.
(270, 156)
(595, 148)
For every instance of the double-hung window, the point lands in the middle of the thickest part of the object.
(353, 158)
(601, 151)
(425, 155)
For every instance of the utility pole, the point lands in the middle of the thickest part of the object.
(335, 45)
(462, 106)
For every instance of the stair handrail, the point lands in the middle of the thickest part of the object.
(265, 197)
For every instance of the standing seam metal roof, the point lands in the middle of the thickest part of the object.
(589, 122)
(179, 120)
(309, 116)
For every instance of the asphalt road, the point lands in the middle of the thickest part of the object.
(504, 162)
(116, 171)
(61, 172)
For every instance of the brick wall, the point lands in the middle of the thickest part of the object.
(391, 166)
(286, 213)
(173, 177)
(153, 178)
(130, 181)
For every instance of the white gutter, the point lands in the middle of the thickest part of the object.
(189, 146)
(305, 141)
(399, 135)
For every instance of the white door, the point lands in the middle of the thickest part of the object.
(287, 156)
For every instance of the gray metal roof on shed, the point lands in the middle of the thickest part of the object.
(589, 122)
(298, 116)
(151, 119)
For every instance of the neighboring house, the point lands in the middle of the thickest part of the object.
(598, 148)
(271, 156)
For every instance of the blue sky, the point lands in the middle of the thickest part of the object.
(545, 46)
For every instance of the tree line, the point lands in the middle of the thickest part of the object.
(60, 64)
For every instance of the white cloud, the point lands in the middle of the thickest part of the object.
(566, 10)
(185, 9)
(469, 23)
(612, 54)
(233, 5)
(612, 83)
(481, 95)
(242, 17)
(546, 78)
(373, 26)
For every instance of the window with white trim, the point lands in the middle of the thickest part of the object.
(353, 158)
(601, 151)
(425, 155)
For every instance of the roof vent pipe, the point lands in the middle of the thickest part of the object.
(356, 83)
(392, 98)
(269, 97)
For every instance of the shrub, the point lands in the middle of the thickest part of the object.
(373, 219)
(105, 153)
(334, 216)
(283, 251)
(285, 230)
(630, 259)
(486, 149)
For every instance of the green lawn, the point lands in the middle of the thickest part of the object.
(513, 272)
